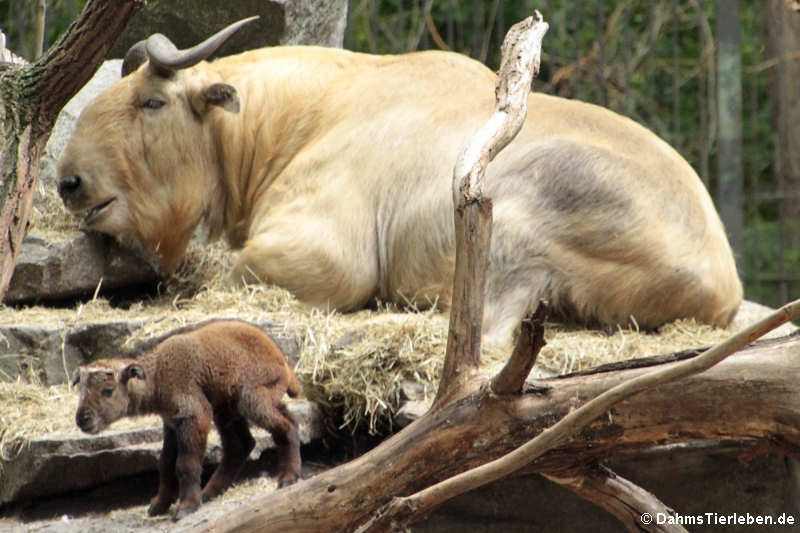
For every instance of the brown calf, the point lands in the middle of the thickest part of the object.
(227, 370)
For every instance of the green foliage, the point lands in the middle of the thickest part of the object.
(17, 22)
(650, 60)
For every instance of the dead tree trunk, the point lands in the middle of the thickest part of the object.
(749, 397)
(475, 420)
(31, 97)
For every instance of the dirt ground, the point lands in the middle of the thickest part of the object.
(121, 507)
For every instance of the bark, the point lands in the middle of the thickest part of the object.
(511, 379)
(749, 397)
(406, 509)
(31, 97)
(521, 55)
(621, 498)
(479, 429)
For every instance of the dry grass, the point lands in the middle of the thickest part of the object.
(353, 363)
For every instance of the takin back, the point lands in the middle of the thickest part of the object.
(222, 370)
(331, 171)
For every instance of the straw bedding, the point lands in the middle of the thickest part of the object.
(353, 363)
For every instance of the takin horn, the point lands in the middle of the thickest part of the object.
(165, 57)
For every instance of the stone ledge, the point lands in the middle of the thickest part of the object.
(53, 352)
(61, 462)
(53, 271)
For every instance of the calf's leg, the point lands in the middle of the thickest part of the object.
(259, 405)
(191, 432)
(168, 482)
(237, 443)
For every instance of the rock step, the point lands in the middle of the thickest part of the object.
(62, 462)
(54, 351)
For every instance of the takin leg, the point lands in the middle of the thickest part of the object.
(237, 443)
(192, 432)
(318, 264)
(168, 482)
(259, 405)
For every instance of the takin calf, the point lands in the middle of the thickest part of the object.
(225, 369)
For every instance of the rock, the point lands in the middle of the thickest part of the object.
(52, 353)
(751, 312)
(62, 462)
(188, 22)
(60, 270)
(693, 480)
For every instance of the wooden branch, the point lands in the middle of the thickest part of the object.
(750, 397)
(620, 497)
(511, 378)
(57, 76)
(403, 510)
(473, 211)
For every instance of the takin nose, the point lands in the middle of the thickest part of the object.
(83, 419)
(68, 186)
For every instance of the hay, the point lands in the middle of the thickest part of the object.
(38, 411)
(353, 363)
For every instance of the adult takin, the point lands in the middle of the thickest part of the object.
(332, 172)
(225, 370)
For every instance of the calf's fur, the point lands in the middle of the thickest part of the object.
(228, 371)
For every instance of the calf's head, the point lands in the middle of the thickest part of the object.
(139, 165)
(105, 392)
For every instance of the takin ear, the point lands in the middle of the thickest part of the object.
(217, 94)
(133, 370)
(76, 377)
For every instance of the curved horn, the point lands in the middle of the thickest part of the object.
(134, 57)
(166, 58)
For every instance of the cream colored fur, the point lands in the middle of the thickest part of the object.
(334, 179)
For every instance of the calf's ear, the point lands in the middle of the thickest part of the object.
(133, 370)
(217, 94)
(76, 377)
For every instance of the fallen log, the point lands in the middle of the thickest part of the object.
(582, 418)
(749, 397)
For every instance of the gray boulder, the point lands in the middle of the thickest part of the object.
(62, 462)
(187, 22)
(47, 271)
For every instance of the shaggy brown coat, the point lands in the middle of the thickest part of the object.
(228, 371)
(332, 172)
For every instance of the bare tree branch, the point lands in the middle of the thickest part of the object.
(406, 509)
(511, 378)
(31, 96)
(521, 51)
(620, 497)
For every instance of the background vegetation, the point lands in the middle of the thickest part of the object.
(654, 61)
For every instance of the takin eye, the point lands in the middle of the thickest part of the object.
(152, 103)
(107, 393)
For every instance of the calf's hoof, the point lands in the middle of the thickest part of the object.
(285, 481)
(157, 507)
(182, 512)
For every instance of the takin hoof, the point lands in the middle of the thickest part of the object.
(182, 512)
(157, 508)
(286, 481)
